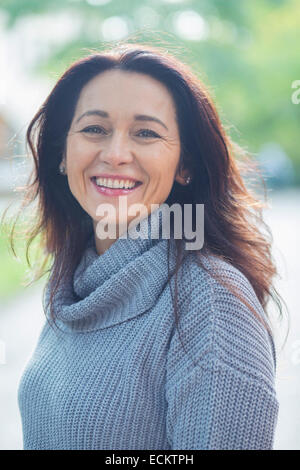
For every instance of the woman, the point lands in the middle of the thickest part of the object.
(112, 369)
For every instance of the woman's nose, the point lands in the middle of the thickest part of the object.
(117, 150)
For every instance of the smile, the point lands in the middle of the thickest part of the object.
(111, 187)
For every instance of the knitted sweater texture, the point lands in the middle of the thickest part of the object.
(115, 374)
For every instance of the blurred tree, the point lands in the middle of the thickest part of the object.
(246, 51)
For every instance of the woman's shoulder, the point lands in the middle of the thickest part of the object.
(209, 274)
(215, 278)
(218, 325)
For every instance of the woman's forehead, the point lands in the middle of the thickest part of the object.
(116, 91)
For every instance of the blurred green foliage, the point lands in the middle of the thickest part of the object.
(248, 61)
(15, 274)
(12, 271)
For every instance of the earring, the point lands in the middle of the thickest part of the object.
(62, 169)
(188, 180)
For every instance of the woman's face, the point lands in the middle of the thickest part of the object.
(112, 134)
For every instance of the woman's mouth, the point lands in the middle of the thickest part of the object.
(104, 187)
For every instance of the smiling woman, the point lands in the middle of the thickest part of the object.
(108, 371)
(111, 147)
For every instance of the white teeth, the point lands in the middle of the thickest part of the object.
(108, 182)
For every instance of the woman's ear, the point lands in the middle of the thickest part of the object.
(182, 177)
(62, 166)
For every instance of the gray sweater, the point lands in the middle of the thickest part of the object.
(115, 374)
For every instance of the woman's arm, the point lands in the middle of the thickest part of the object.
(227, 400)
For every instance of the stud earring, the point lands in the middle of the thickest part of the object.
(62, 169)
(188, 180)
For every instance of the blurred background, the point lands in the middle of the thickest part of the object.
(247, 53)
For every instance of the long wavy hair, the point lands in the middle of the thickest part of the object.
(233, 214)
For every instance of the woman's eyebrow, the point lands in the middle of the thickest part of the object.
(144, 117)
(137, 117)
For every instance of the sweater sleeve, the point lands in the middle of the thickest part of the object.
(220, 389)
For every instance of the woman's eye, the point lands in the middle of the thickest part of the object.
(92, 129)
(152, 133)
(100, 130)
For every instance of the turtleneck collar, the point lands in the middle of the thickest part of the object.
(118, 285)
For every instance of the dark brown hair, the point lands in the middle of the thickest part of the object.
(233, 214)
